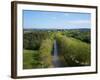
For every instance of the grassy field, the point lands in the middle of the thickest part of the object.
(27, 58)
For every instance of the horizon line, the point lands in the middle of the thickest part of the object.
(56, 28)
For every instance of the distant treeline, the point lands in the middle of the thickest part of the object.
(80, 29)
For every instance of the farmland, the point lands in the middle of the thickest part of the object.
(72, 48)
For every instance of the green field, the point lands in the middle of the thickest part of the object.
(28, 58)
(73, 47)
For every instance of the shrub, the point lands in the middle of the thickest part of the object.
(45, 53)
(73, 50)
(32, 40)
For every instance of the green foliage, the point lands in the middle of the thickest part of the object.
(36, 62)
(32, 40)
(40, 58)
(72, 47)
(45, 52)
(31, 59)
(73, 50)
(28, 59)
(78, 34)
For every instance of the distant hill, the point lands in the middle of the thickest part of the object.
(80, 29)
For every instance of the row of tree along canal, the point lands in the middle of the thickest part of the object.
(69, 51)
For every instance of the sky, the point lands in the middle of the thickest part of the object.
(55, 20)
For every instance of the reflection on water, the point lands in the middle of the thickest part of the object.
(56, 60)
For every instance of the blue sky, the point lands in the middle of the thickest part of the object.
(55, 20)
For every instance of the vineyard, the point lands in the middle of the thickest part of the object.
(73, 47)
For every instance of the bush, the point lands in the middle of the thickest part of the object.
(83, 35)
(45, 53)
(73, 50)
(32, 40)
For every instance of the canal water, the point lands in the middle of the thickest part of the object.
(56, 60)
